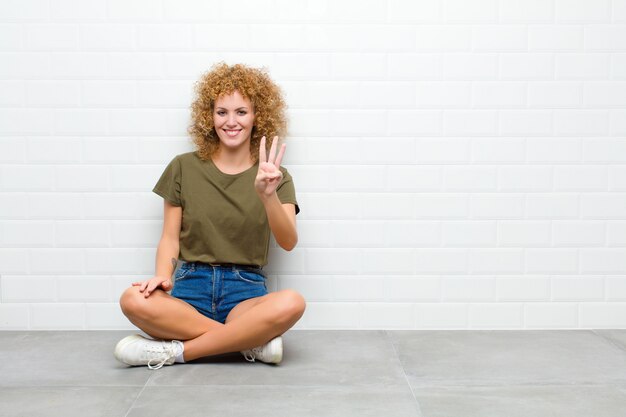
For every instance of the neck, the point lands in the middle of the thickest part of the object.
(232, 161)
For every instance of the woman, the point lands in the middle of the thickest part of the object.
(221, 202)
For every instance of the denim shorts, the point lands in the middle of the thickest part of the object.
(214, 290)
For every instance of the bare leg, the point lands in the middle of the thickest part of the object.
(252, 323)
(163, 316)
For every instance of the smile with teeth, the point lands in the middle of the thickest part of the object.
(232, 132)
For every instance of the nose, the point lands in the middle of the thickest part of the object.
(232, 120)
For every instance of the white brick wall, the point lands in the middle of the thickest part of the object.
(460, 165)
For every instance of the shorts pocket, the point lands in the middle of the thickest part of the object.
(182, 272)
(250, 276)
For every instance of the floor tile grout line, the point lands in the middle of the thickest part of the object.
(609, 340)
(406, 378)
(138, 395)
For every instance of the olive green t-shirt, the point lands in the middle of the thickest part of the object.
(224, 220)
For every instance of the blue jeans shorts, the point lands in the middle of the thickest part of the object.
(214, 290)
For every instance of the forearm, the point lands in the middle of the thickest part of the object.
(167, 254)
(282, 225)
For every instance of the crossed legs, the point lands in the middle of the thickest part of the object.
(251, 323)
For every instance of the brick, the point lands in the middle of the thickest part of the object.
(450, 94)
(551, 315)
(470, 66)
(14, 316)
(605, 94)
(357, 288)
(530, 66)
(470, 122)
(605, 38)
(401, 123)
(582, 66)
(524, 288)
(469, 233)
(495, 261)
(27, 178)
(107, 316)
(500, 38)
(525, 178)
(603, 206)
(12, 150)
(499, 94)
(58, 316)
(23, 234)
(552, 206)
(442, 316)
(525, 123)
(555, 95)
(396, 261)
(480, 11)
(500, 206)
(81, 234)
(107, 37)
(407, 11)
(579, 233)
(497, 150)
(404, 234)
(358, 65)
(555, 38)
(412, 288)
(51, 37)
(526, 11)
(57, 150)
(552, 261)
(387, 316)
(85, 289)
(164, 37)
(312, 287)
(450, 38)
(577, 288)
(602, 315)
(603, 261)
(108, 94)
(580, 178)
(496, 316)
(582, 11)
(78, 10)
(357, 234)
(554, 150)
(468, 289)
(28, 289)
(415, 66)
(413, 178)
(82, 178)
(134, 177)
(469, 178)
(441, 261)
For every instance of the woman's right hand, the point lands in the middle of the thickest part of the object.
(146, 287)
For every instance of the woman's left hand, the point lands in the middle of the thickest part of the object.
(269, 176)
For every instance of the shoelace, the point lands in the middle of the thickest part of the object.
(250, 355)
(169, 351)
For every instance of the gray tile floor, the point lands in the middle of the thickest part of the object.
(327, 373)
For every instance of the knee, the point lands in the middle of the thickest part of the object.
(134, 304)
(291, 306)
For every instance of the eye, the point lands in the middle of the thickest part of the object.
(221, 112)
(242, 112)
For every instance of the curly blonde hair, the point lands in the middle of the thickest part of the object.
(253, 84)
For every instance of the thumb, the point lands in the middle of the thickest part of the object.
(166, 284)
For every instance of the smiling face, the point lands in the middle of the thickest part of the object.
(233, 118)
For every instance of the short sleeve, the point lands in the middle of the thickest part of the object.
(169, 185)
(286, 191)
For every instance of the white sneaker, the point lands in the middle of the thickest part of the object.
(271, 352)
(137, 350)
